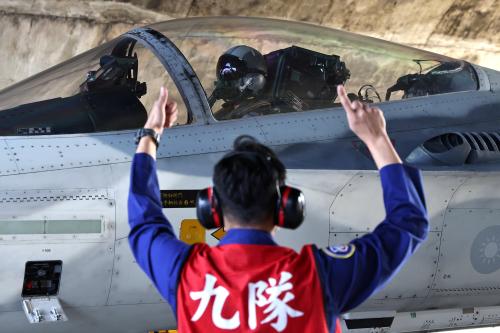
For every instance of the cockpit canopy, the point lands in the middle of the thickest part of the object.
(112, 86)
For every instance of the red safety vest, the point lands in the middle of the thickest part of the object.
(250, 288)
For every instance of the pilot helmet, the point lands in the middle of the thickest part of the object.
(241, 72)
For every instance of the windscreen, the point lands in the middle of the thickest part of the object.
(109, 88)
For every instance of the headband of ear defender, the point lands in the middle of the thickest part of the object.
(290, 204)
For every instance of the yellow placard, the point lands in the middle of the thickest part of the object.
(192, 231)
(219, 233)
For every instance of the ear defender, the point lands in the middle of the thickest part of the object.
(208, 209)
(290, 210)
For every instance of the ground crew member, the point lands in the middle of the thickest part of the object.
(248, 283)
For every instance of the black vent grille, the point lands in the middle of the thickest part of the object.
(483, 141)
(458, 148)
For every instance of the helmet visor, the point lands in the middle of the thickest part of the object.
(230, 68)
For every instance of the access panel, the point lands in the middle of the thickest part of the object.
(42, 278)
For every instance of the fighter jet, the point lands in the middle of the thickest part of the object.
(67, 140)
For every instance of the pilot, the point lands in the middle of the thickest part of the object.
(248, 283)
(241, 77)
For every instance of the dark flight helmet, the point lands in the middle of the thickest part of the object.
(241, 72)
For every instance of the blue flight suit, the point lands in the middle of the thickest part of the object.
(349, 274)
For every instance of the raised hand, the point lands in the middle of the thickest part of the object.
(368, 123)
(163, 113)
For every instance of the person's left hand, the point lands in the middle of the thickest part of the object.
(163, 114)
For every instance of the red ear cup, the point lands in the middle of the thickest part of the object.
(208, 209)
(215, 208)
(290, 211)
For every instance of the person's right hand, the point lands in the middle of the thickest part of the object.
(368, 123)
(163, 114)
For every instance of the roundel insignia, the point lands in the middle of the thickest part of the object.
(485, 251)
(340, 251)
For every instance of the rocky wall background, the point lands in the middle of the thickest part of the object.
(37, 34)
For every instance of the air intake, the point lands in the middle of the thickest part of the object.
(458, 148)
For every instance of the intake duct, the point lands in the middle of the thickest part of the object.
(457, 148)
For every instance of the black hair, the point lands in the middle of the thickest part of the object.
(246, 181)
